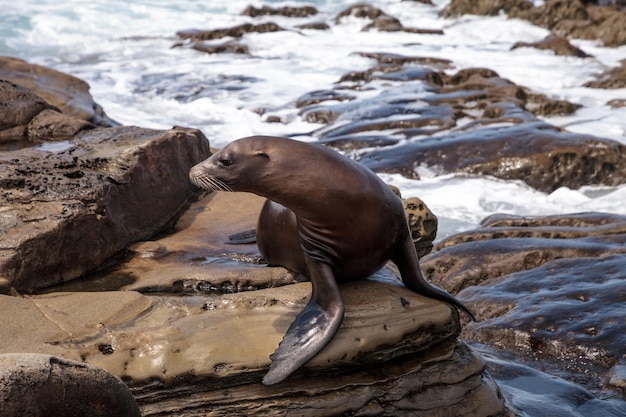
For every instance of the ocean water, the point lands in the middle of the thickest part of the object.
(123, 49)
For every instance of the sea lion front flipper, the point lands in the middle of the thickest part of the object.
(405, 258)
(312, 329)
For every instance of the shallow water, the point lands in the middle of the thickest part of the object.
(123, 50)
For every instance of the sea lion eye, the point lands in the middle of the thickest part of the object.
(226, 162)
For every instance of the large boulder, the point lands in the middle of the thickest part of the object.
(101, 191)
(68, 94)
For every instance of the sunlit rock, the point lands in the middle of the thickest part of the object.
(68, 207)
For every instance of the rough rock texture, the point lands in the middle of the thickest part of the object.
(612, 78)
(38, 385)
(107, 188)
(302, 11)
(27, 119)
(235, 32)
(538, 286)
(379, 20)
(62, 91)
(540, 154)
(557, 44)
(574, 18)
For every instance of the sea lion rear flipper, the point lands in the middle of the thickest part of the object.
(312, 329)
(407, 262)
(239, 238)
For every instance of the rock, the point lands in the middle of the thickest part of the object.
(539, 154)
(62, 91)
(514, 144)
(218, 48)
(235, 32)
(423, 224)
(43, 385)
(578, 19)
(483, 7)
(301, 11)
(548, 289)
(212, 348)
(106, 188)
(379, 20)
(29, 119)
(557, 44)
(611, 78)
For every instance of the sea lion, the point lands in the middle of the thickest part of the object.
(326, 217)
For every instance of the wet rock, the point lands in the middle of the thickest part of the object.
(541, 155)
(360, 10)
(503, 138)
(575, 19)
(212, 353)
(314, 26)
(43, 385)
(235, 32)
(28, 119)
(423, 224)
(64, 92)
(617, 103)
(288, 11)
(379, 20)
(483, 7)
(218, 48)
(611, 78)
(557, 44)
(546, 288)
(106, 188)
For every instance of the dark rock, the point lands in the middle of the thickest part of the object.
(314, 26)
(612, 78)
(64, 92)
(574, 18)
(42, 385)
(232, 47)
(235, 32)
(541, 155)
(557, 44)
(548, 289)
(302, 11)
(28, 118)
(108, 188)
(483, 7)
(361, 10)
(318, 96)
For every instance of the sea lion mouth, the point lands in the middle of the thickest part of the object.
(209, 183)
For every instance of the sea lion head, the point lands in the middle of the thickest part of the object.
(239, 166)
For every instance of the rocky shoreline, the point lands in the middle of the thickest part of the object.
(188, 322)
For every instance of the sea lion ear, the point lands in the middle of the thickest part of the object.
(262, 154)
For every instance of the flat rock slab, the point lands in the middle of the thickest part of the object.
(107, 188)
(195, 354)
